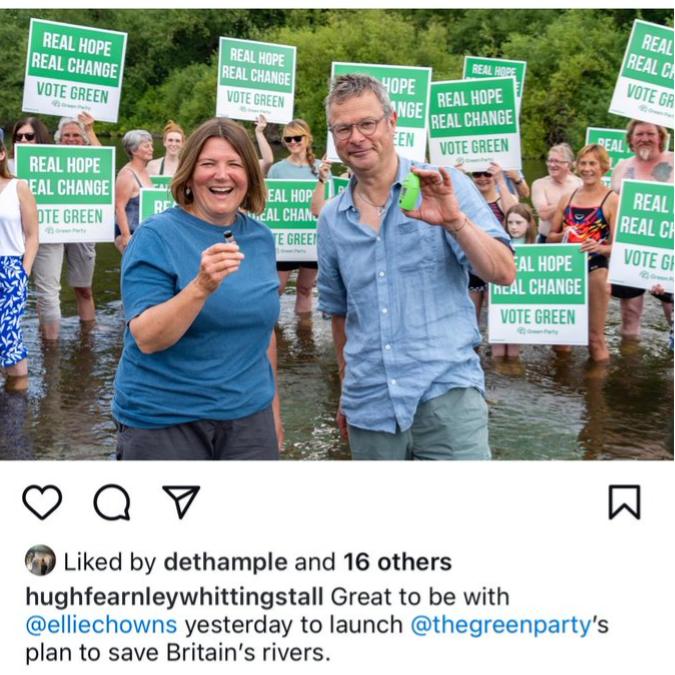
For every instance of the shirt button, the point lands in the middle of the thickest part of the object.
(387, 346)
(381, 274)
(384, 310)
(393, 381)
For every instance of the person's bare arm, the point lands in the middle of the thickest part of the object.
(29, 224)
(319, 194)
(519, 182)
(88, 122)
(264, 147)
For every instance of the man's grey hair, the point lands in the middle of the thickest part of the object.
(347, 86)
(132, 139)
(64, 122)
(565, 150)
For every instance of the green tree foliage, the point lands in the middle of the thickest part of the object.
(573, 57)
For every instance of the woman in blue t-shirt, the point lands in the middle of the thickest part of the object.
(300, 164)
(197, 377)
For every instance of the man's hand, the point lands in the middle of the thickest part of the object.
(342, 423)
(440, 205)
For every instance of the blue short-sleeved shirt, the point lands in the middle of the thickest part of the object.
(289, 171)
(411, 327)
(219, 369)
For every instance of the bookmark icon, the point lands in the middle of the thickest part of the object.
(183, 496)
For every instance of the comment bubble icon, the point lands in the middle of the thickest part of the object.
(112, 502)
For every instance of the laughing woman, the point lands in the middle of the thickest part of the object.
(588, 216)
(197, 378)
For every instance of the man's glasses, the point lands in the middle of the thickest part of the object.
(30, 136)
(295, 139)
(366, 127)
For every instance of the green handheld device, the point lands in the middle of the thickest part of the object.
(410, 192)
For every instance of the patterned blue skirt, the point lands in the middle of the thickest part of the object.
(13, 293)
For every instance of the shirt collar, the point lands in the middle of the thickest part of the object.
(347, 200)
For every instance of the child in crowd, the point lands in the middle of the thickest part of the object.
(519, 222)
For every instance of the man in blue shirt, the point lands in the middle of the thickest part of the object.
(395, 285)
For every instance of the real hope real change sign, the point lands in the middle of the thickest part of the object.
(288, 214)
(547, 303)
(477, 67)
(73, 68)
(408, 89)
(614, 141)
(154, 200)
(74, 190)
(644, 89)
(642, 253)
(255, 78)
(474, 123)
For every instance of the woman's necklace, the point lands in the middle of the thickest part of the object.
(380, 209)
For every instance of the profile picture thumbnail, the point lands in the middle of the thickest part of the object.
(40, 560)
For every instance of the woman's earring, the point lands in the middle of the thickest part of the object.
(188, 191)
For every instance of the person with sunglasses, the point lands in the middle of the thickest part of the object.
(492, 186)
(300, 164)
(547, 191)
(28, 130)
(394, 284)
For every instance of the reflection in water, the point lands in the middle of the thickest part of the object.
(544, 406)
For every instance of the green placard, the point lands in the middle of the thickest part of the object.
(408, 89)
(155, 200)
(340, 185)
(474, 122)
(478, 68)
(161, 181)
(74, 190)
(548, 301)
(73, 68)
(255, 78)
(644, 89)
(288, 214)
(642, 253)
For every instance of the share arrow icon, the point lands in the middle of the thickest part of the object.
(183, 496)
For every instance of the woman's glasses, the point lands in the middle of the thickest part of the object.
(30, 136)
(293, 139)
(481, 174)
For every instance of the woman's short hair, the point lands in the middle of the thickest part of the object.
(173, 128)
(630, 130)
(565, 150)
(238, 138)
(601, 154)
(345, 87)
(64, 122)
(132, 140)
(41, 132)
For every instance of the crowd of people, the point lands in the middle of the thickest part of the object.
(404, 289)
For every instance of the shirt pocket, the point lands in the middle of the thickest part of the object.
(417, 245)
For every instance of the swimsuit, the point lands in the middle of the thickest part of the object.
(587, 222)
(477, 284)
(132, 209)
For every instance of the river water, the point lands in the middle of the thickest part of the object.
(544, 407)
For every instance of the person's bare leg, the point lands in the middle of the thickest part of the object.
(499, 351)
(305, 290)
(17, 376)
(598, 301)
(85, 303)
(668, 311)
(283, 280)
(631, 316)
(50, 330)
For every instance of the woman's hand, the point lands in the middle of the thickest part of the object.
(218, 261)
(496, 171)
(324, 169)
(260, 124)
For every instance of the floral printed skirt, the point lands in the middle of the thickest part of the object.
(13, 293)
